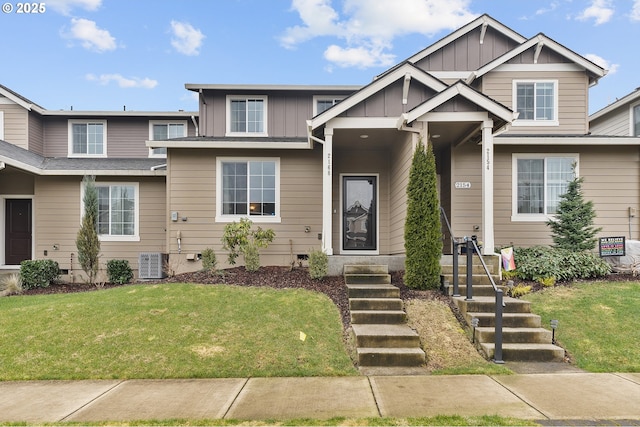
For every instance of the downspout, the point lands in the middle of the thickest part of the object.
(195, 124)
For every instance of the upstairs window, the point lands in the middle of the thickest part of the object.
(248, 188)
(163, 130)
(537, 103)
(539, 181)
(247, 116)
(87, 138)
(322, 104)
(636, 120)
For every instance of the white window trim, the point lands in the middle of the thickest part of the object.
(164, 122)
(265, 103)
(219, 191)
(317, 98)
(70, 138)
(108, 238)
(514, 103)
(2, 125)
(518, 217)
(632, 122)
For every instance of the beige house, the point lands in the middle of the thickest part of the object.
(326, 167)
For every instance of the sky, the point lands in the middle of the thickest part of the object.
(139, 54)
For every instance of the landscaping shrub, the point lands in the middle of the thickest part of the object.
(519, 290)
(318, 264)
(209, 260)
(11, 284)
(540, 262)
(251, 258)
(38, 273)
(238, 238)
(119, 271)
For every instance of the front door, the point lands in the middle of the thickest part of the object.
(359, 219)
(17, 231)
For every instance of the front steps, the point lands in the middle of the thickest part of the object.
(523, 337)
(378, 319)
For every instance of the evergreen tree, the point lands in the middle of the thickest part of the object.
(572, 228)
(87, 240)
(422, 232)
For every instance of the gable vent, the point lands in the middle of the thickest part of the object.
(150, 265)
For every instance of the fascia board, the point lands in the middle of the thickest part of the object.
(627, 99)
(376, 86)
(303, 145)
(566, 140)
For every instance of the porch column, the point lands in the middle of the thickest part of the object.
(327, 191)
(487, 187)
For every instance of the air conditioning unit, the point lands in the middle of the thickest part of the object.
(150, 265)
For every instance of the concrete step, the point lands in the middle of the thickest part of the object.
(373, 291)
(481, 304)
(375, 304)
(367, 279)
(376, 356)
(462, 268)
(366, 269)
(386, 317)
(476, 279)
(514, 335)
(509, 320)
(391, 336)
(526, 352)
(478, 290)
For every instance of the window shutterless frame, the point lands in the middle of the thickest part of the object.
(246, 115)
(87, 138)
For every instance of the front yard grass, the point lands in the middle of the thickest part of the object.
(171, 331)
(598, 323)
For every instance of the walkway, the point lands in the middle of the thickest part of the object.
(547, 398)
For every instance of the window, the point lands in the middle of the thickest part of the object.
(163, 130)
(636, 120)
(539, 181)
(246, 116)
(537, 103)
(322, 104)
(118, 216)
(87, 138)
(248, 187)
(2, 125)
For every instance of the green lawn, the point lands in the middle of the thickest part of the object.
(599, 323)
(171, 331)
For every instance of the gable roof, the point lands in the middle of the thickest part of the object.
(20, 100)
(402, 71)
(540, 41)
(482, 21)
(627, 99)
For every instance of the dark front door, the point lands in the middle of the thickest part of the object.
(17, 231)
(359, 207)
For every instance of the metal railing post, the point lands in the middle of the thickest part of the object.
(456, 286)
(497, 352)
(469, 248)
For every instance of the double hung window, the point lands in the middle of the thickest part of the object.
(87, 138)
(248, 188)
(539, 181)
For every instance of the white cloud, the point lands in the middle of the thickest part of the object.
(91, 37)
(600, 10)
(123, 82)
(635, 11)
(611, 68)
(368, 28)
(186, 39)
(65, 6)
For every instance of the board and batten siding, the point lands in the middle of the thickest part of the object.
(57, 222)
(15, 123)
(572, 99)
(191, 192)
(611, 182)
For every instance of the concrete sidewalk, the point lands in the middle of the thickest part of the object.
(564, 396)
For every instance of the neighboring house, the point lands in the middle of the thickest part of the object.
(327, 167)
(44, 155)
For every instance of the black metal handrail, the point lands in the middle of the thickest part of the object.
(471, 247)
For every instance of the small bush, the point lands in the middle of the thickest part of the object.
(540, 262)
(547, 282)
(239, 238)
(318, 264)
(38, 273)
(251, 258)
(10, 285)
(519, 290)
(209, 260)
(119, 271)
